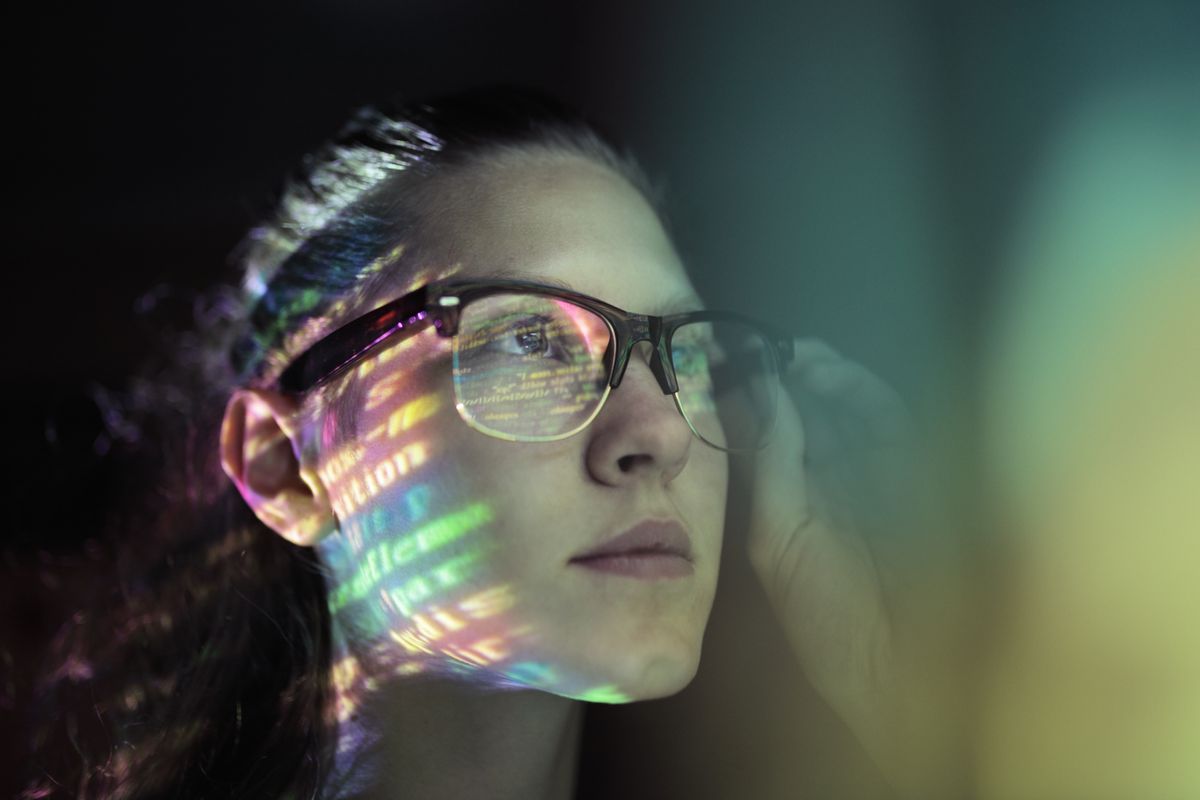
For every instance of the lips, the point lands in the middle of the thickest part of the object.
(647, 538)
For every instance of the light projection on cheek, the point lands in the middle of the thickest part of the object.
(412, 567)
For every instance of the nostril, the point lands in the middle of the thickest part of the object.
(629, 463)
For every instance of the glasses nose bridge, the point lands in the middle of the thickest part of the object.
(643, 328)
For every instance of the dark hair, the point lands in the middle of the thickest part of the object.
(205, 669)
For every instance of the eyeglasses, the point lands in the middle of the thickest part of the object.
(535, 363)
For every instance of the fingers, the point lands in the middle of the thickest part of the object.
(865, 456)
(874, 408)
(861, 432)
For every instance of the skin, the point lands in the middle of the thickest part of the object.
(457, 665)
(478, 635)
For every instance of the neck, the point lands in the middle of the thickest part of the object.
(425, 736)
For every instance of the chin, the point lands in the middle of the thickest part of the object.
(664, 680)
(650, 676)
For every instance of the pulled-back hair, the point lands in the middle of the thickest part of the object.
(203, 667)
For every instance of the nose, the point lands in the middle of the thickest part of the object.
(639, 435)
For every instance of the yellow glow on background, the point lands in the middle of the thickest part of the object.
(1094, 439)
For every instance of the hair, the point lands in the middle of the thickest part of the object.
(203, 668)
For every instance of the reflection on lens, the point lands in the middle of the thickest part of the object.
(529, 367)
(728, 381)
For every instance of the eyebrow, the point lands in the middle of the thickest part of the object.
(675, 304)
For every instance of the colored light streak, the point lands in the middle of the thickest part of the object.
(487, 603)
(468, 634)
(338, 463)
(382, 559)
(435, 621)
(368, 483)
(603, 694)
(402, 420)
(531, 673)
(390, 352)
(482, 652)
(384, 389)
(365, 527)
(409, 414)
(592, 330)
(348, 683)
(442, 577)
(472, 639)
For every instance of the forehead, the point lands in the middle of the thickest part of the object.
(563, 219)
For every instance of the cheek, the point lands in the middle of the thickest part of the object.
(706, 494)
(453, 546)
(424, 569)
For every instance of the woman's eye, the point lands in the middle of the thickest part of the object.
(529, 337)
(532, 342)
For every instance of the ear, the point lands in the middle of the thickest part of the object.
(261, 454)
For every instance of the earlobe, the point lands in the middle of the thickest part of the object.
(260, 453)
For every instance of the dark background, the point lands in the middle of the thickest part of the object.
(848, 170)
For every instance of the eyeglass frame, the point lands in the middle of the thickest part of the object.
(441, 304)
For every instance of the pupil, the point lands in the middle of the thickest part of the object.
(531, 342)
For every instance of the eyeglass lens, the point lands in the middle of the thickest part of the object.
(727, 382)
(531, 367)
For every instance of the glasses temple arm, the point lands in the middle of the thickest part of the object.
(346, 346)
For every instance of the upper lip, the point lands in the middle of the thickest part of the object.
(649, 536)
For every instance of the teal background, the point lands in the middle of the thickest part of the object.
(850, 171)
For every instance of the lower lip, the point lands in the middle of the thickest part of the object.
(647, 565)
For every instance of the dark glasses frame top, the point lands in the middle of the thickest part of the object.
(440, 305)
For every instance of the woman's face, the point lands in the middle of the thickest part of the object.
(455, 549)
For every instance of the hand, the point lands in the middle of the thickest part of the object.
(838, 523)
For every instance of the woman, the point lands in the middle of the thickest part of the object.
(486, 443)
